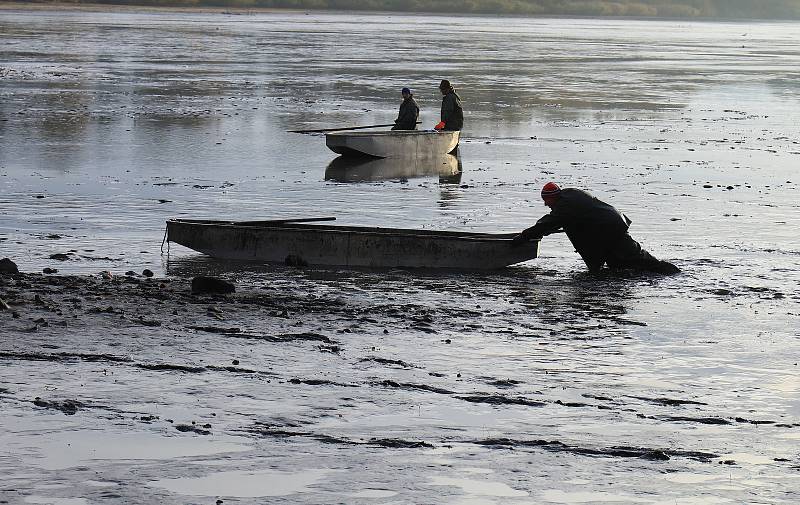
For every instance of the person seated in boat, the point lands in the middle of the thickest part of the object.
(598, 231)
(409, 112)
(452, 115)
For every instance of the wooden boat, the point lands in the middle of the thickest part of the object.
(299, 243)
(393, 144)
(368, 169)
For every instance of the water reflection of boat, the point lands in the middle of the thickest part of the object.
(393, 144)
(365, 169)
(354, 246)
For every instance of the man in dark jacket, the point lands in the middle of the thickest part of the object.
(452, 116)
(598, 231)
(409, 112)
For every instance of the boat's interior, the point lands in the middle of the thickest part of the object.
(303, 224)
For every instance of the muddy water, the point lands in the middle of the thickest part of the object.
(536, 385)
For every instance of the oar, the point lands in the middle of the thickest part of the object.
(323, 130)
(284, 221)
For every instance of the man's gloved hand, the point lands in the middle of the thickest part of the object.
(518, 240)
(439, 126)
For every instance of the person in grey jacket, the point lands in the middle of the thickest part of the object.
(452, 116)
(409, 112)
(598, 231)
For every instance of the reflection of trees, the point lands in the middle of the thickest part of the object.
(642, 8)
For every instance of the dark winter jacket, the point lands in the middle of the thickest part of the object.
(452, 113)
(599, 233)
(407, 118)
(587, 221)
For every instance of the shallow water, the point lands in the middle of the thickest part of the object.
(535, 385)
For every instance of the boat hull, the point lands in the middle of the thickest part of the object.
(393, 144)
(349, 246)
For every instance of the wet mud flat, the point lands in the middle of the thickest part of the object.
(538, 384)
(322, 386)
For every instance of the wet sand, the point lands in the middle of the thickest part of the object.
(325, 373)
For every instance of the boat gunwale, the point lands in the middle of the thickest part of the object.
(390, 133)
(362, 230)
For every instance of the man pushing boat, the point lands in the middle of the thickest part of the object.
(598, 231)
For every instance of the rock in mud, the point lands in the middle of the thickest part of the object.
(8, 267)
(147, 272)
(48, 270)
(203, 284)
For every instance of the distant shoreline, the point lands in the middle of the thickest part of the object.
(101, 7)
(240, 10)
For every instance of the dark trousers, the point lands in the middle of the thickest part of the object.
(618, 252)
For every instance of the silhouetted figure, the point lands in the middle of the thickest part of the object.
(409, 112)
(598, 231)
(452, 115)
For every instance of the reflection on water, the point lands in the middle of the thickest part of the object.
(367, 169)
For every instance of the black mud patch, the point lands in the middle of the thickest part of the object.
(616, 451)
(501, 400)
(64, 356)
(167, 366)
(389, 443)
(416, 387)
(235, 369)
(670, 402)
(68, 407)
(597, 397)
(504, 383)
(687, 419)
(751, 421)
(317, 382)
(396, 443)
(283, 337)
(216, 329)
(327, 439)
(572, 404)
(384, 361)
(185, 428)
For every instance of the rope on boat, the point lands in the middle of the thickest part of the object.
(165, 240)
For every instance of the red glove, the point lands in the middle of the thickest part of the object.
(439, 126)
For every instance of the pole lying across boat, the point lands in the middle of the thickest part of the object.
(296, 242)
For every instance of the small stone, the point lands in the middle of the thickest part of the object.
(8, 267)
(130, 273)
(203, 284)
(48, 270)
(147, 272)
(235, 362)
(60, 256)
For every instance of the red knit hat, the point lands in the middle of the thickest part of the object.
(550, 190)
